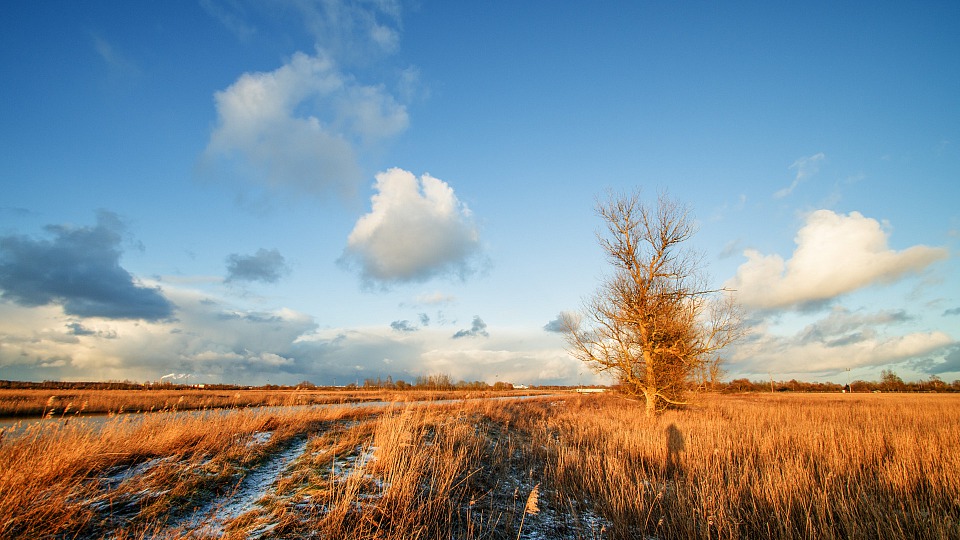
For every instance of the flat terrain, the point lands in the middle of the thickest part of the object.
(746, 466)
(60, 403)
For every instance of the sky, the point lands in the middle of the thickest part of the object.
(267, 192)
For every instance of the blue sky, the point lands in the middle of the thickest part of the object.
(279, 191)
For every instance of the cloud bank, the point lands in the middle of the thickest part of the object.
(79, 270)
(835, 254)
(417, 229)
(213, 341)
(843, 339)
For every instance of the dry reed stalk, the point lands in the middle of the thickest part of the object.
(49, 481)
(787, 467)
(741, 467)
(16, 403)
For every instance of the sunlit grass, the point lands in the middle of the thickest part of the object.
(35, 403)
(788, 466)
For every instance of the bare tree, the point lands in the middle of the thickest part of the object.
(653, 323)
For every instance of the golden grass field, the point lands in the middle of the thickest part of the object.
(743, 466)
(35, 402)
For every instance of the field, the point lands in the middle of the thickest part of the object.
(744, 466)
(32, 403)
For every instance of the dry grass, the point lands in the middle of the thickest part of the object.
(36, 403)
(800, 466)
(804, 466)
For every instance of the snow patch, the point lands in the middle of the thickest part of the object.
(212, 518)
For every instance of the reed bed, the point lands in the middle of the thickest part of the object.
(36, 403)
(799, 466)
(791, 467)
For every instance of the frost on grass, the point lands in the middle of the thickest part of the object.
(212, 518)
(342, 477)
(258, 438)
(125, 490)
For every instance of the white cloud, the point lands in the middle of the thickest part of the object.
(799, 354)
(521, 356)
(300, 127)
(417, 229)
(212, 342)
(805, 167)
(835, 254)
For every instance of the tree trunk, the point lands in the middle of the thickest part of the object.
(650, 384)
(651, 402)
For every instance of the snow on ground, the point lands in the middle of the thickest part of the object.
(211, 518)
(248, 510)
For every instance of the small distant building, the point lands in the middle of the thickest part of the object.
(591, 390)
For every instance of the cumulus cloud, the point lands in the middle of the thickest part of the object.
(267, 265)
(835, 254)
(79, 270)
(477, 329)
(417, 229)
(299, 127)
(805, 167)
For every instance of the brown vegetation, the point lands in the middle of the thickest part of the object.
(19, 403)
(772, 466)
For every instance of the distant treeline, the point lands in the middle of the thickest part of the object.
(426, 382)
(59, 385)
(889, 382)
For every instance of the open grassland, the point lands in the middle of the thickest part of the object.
(36, 403)
(784, 466)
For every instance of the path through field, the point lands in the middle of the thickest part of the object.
(211, 518)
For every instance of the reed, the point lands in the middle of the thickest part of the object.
(772, 467)
(15, 403)
(783, 466)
